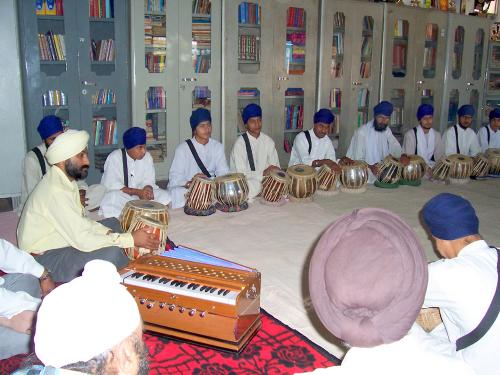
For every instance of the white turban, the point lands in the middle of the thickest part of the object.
(85, 317)
(68, 144)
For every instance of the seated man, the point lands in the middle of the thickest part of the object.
(35, 166)
(313, 147)
(20, 291)
(423, 140)
(200, 155)
(463, 284)
(489, 135)
(136, 164)
(460, 138)
(367, 280)
(53, 224)
(254, 153)
(90, 325)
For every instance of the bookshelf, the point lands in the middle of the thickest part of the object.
(492, 89)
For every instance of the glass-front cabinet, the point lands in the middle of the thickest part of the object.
(492, 95)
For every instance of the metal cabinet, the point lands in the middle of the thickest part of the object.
(492, 87)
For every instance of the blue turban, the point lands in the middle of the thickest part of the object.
(449, 217)
(494, 113)
(425, 110)
(134, 136)
(383, 108)
(324, 115)
(49, 125)
(199, 115)
(251, 110)
(466, 110)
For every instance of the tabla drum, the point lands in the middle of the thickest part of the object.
(200, 197)
(460, 168)
(327, 180)
(441, 170)
(493, 155)
(354, 177)
(389, 170)
(142, 207)
(159, 231)
(275, 186)
(231, 192)
(412, 173)
(480, 166)
(303, 182)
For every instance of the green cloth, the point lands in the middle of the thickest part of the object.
(385, 185)
(410, 182)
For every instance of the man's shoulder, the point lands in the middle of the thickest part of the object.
(215, 144)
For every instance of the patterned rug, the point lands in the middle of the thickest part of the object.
(275, 349)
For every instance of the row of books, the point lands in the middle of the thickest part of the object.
(362, 118)
(339, 20)
(51, 47)
(365, 69)
(102, 8)
(155, 31)
(363, 98)
(368, 24)
(104, 96)
(49, 8)
(335, 98)
(158, 152)
(366, 47)
(296, 17)
(248, 93)
(294, 91)
(201, 41)
(337, 44)
(335, 126)
(336, 68)
(201, 6)
(154, 5)
(155, 61)
(398, 58)
(54, 98)
(456, 64)
(431, 32)
(401, 28)
(397, 116)
(102, 50)
(201, 63)
(459, 35)
(294, 116)
(201, 92)
(249, 47)
(152, 125)
(430, 57)
(249, 13)
(156, 98)
(105, 131)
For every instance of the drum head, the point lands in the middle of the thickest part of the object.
(300, 170)
(145, 204)
(279, 175)
(459, 158)
(230, 177)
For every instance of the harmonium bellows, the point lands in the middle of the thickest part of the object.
(194, 296)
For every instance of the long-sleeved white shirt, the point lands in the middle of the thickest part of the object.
(428, 145)
(483, 138)
(467, 141)
(321, 148)
(184, 167)
(13, 260)
(264, 154)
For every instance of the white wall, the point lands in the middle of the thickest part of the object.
(12, 134)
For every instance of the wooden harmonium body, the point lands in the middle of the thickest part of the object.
(195, 296)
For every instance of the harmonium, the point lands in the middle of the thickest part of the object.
(190, 295)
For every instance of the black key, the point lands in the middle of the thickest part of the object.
(226, 292)
(173, 282)
(202, 289)
(220, 291)
(213, 290)
(191, 285)
(163, 280)
(196, 286)
(136, 275)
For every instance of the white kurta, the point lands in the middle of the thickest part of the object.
(483, 138)
(140, 173)
(467, 141)
(321, 148)
(264, 154)
(428, 145)
(184, 167)
(463, 288)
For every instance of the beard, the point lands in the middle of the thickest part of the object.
(77, 172)
(378, 127)
(142, 353)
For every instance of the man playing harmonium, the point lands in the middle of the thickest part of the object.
(460, 138)
(254, 153)
(489, 135)
(53, 224)
(129, 174)
(200, 155)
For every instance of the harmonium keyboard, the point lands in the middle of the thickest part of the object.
(194, 296)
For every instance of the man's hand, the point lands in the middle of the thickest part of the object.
(148, 192)
(83, 198)
(404, 159)
(346, 161)
(270, 169)
(143, 238)
(47, 285)
(21, 322)
(374, 168)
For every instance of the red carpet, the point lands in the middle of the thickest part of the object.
(276, 349)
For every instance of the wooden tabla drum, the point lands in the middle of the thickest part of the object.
(303, 182)
(460, 169)
(389, 170)
(354, 177)
(275, 186)
(327, 180)
(231, 192)
(441, 170)
(142, 207)
(415, 170)
(493, 155)
(158, 229)
(480, 166)
(200, 197)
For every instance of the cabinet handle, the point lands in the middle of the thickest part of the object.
(188, 79)
(469, 84)
(283, 78)
(88, 83)
(420, 82)
(356, 83)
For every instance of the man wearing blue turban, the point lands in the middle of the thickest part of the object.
(489, 135)
(464, 283)
(200, 155)
(423, 140)
(254, 153)
(460, 138)
(134, 180)
(373, 141)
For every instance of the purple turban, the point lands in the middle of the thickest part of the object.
(494, 113)
(367, 277)
(383, 108)
(49, 125)
(324, 115)
(134, 136)
(199, 115)
(251, 110)
(466, 110)
(449, 217)
(424, 110)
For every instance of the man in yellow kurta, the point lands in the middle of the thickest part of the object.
(53, 224)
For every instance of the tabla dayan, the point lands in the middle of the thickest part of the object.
(480, 166)
(303, 182)
(275, 187)
(200, 197)
(231, 191)
(327, 180)
(142, 207)
(389, 172)
(354, 177)
(460, 168)
(441, 170)
(493, 155)
(158, 229)
(412, 173)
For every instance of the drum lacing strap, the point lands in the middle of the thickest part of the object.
(456, 139)
(249, 152)
(488, 133)
(308, 137)
(489, 318)
(197, 159)
(125, 167)
(41, 160)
